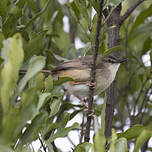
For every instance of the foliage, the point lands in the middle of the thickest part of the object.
(35, 36)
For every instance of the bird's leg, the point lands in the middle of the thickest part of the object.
(82, 101)
(92, 84)
(86, 106)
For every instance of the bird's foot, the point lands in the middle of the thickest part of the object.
(83, 102)
(92, 84)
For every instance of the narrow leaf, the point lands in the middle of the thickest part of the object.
(55, 106)
(132, 133)
(113, 141)
(121, 145)
(142, 16)
(42, 98)
(143, 137)
(62, 132)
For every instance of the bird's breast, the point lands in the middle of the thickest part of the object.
(78, 90)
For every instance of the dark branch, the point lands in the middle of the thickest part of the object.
(42, 144)
(144, 99)
(93, 74)
(54, 147)
(46, 72)
(130, 10)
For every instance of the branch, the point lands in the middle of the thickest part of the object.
(130, 10)
(70, 140)
(143, 102)
(46, 72)
(140, 93)
(42, 144)
(93, 74)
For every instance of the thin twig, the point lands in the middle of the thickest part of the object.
(143, 102)
(24, 71)
(82, 129)
(130, 10)
(140, 93)
(32, 147)
(42, 144)
(93, 74)
(54, 147)
(70, 140)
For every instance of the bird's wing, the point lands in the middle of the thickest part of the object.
(77, 69)
(79, 63)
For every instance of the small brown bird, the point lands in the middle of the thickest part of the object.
(79, 70)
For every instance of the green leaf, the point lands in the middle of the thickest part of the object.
(103, 115)
(26, 149)
(84, 147)
(99, 142)
(13, 56)
(143, 137)
(29, 100)
(12, 19)
(35, 65)
(65, 117)
(132, 133)
(55, 106)
(74, 113)
(95, 4)
(113, 141)
(48, 83)
(62, 80)
(38, 14)
(113, 49)
(75, 10)
(63, 40)
(42, 98)
(99, 139)
(32, 47)
(115, 2)
(147, 45)
(93, 29)
(83, 10)
(136, 83)
(10, 122)
(121, 145)
(142, 29)
(31, 133)
(62, 132)
(141, 17)
(5, 148)
(4, 8)
(37, 82)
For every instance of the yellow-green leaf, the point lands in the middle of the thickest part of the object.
(13, 56)
(49, 83)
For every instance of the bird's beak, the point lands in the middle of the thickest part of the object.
(122, 60)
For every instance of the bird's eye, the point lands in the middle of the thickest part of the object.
(111, 61)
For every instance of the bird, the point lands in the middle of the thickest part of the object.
(79, 71)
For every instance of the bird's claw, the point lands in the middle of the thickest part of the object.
(92, 84)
